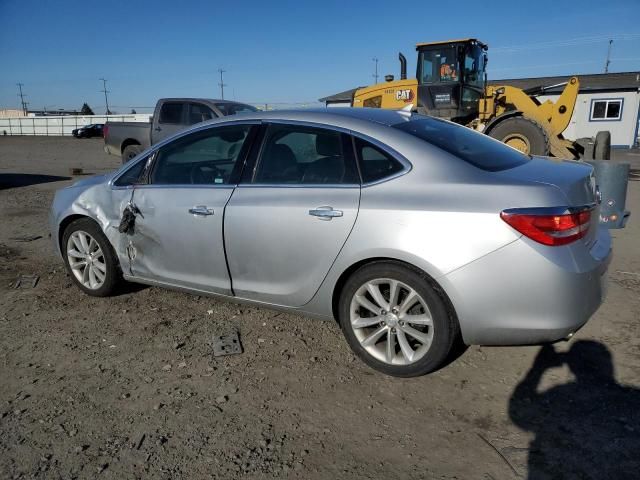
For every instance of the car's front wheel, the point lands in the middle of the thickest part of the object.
(395, 321)
(89, 258)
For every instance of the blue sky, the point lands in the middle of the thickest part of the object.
(284, 51)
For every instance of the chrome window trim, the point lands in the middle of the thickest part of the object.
(298, 185)
(406, 164)
(151, 151)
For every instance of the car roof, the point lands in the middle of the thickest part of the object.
(329, 115)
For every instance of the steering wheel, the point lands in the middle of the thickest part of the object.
(203, 174)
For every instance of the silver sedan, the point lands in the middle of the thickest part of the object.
(412, 232)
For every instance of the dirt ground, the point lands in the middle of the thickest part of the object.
(127, 387)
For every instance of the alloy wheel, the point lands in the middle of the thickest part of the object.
(391, 321)
(86, 260)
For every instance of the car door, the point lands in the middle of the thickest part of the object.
(286, 224)
(171, 119)
(178, 230)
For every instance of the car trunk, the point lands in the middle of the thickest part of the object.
(574, 179)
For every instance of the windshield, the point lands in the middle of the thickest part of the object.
(438, 65)
(471, 146)
(474, 66)
(233, 108)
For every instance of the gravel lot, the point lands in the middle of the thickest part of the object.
(127, 387)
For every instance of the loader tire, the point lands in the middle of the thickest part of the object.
(522, 134)
(602, 148)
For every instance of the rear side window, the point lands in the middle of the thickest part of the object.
(303, 155)
(375, 163)
(171, 112)
(472, 147)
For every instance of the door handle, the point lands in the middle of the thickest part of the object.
(325, 213)
(157, 129)
(201, 210)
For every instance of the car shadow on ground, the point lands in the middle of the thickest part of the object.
(15, 180)
(587, 428)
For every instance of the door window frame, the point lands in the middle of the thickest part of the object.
(255, 156)
(152, 155)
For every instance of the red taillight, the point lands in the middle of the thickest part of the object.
(550, 229)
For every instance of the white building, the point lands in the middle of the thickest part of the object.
(606, 101)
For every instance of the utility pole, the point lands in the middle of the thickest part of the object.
(222, 84)
(21, 95)
(375, 75)
(606, 64)
(104, 89)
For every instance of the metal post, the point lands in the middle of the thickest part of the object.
(34, 125)
(222, 84)
(61, 125)
(104, 89)
(375, 75)
(20, 123)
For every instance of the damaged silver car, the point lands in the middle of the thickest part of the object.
(414, 233)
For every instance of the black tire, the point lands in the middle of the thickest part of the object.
(130, 152)
(445, 326)
(602, 147)
(520, 130)
(112, 274)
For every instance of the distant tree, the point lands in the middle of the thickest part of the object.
(133, 111)
(86, 110)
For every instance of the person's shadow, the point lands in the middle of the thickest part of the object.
(586, 429)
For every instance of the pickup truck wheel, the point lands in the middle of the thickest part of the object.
(130, 152)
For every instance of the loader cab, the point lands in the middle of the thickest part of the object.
(451, 78)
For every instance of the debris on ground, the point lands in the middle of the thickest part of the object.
(26, 281)
(26, 238)
(228, 344)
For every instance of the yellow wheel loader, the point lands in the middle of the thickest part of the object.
(451, 83)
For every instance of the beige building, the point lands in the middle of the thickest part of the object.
(11, 113)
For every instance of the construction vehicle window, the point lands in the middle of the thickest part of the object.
(294, 154)
(375, 164)
(171, 112)
(473, 147)
(474, 66)
(439, 65)
(373, 102)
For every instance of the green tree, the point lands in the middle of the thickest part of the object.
(86, 110)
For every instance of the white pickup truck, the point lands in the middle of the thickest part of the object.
(128, 139)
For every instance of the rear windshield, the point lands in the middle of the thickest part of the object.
(472, 147)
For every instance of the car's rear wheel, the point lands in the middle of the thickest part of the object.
(395, 321)
(89, 258)
(130, 152)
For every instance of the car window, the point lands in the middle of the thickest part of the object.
(132, 175)
(473, 147)
(171, 112)
(375, 163)
(199, 113)
(233, 108)
(303, 155)
(202, 158)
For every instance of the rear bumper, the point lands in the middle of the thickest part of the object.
(526, 293)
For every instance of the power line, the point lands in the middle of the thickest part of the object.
(104, 89)
(222, 84)
(22, 95)
(593, 39)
